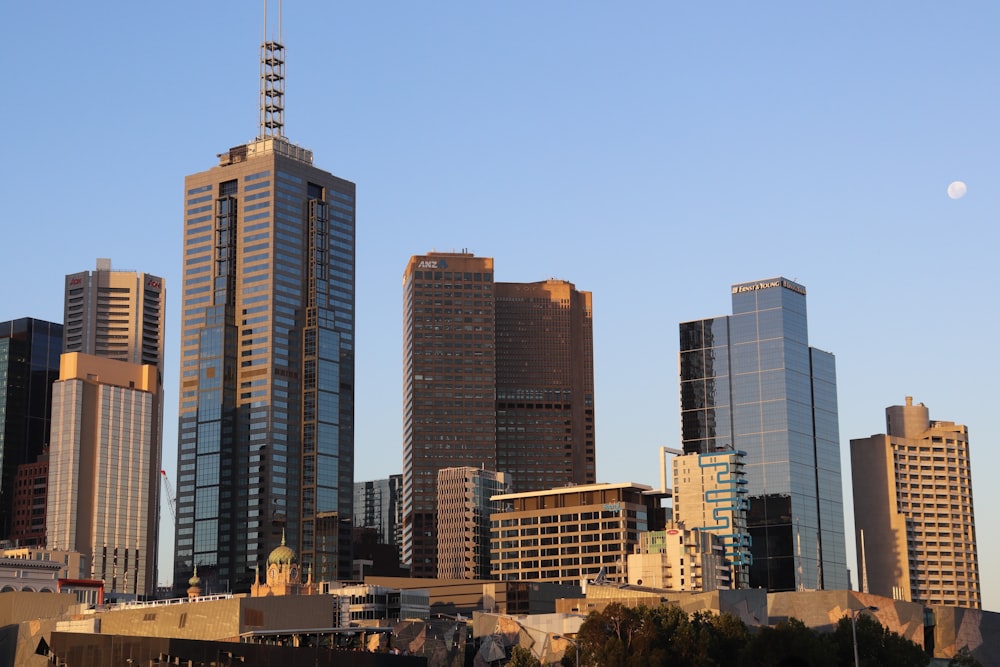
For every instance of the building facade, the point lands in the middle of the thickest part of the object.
(496, 376)
(378, 504)
(29, 364)
(710, 495)
(104, 469)
(544, 384)
(571, 533)
(465, 506)
(115, 314)
(266, 434)
(680, 559)
(30, 497)
(913, 510)
(751, 382)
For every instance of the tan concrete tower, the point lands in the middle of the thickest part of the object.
(913, 511)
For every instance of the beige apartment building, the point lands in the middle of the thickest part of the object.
(115, 314)
(464, 510)
(103, 469)
(679, 559)
(571, 533)
(710, 495)
(913, 511)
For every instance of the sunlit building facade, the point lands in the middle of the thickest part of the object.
(464, 508)
(751, 382)
(266, 433)
(913, 510)
(104, 461)
(115, 314)
(496, 376)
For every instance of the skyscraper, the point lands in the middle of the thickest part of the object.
(496, 376)
(913, 511)
(750, 382)
(115, 314)
(378, 504)
(29, 364)
(266, 433)
(103, 469)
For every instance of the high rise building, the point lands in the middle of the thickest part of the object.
(496, 376)
(103, 469)
(710, 495)
(465, 505)
(115, 314)
(913, 511)
(29, 364)
(544, 384)
(751, 382)
(266, 432)
(378, 504)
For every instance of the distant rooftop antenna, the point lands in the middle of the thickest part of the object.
(272, 82)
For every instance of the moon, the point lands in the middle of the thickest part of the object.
(956, 189)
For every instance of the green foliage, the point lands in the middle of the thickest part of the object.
(621, 636)
(523, 657)
(877, 646)
(964, 658)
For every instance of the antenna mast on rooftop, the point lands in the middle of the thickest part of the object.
(272, 82)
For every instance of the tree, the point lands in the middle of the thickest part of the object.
(523, 657)
(787, 644)
(877, 645)
(964, 658)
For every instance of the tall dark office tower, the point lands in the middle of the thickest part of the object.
(266, 432)
(496, 376)
(750, 381)
(29, 364)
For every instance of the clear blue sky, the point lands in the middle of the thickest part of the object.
(653, 153)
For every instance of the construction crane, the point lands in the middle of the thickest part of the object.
(171, 501)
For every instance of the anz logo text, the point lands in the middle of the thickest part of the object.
(433, 264)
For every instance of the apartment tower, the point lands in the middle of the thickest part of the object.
(29, 364)
(104, 469)
(750, 382)
(266, 433)
(710, 496)
(497, 376)
(913, 512)
(464, 508)
(115, 314)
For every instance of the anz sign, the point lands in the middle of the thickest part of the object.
(433, 264)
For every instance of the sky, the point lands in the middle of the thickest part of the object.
(653, 153)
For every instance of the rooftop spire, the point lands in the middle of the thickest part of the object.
(272, 82)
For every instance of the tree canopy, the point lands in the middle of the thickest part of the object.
(621, 636)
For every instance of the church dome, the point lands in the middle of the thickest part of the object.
(282, 555)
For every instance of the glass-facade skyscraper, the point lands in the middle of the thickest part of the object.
(29, 364)
(266, 434)
(751, 382)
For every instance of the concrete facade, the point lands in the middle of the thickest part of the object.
(571, 533)
(913, 510)
(464, 511)
(104, 466)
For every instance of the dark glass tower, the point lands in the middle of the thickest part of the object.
(266, 426)
(29, 364)
(750, 381)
